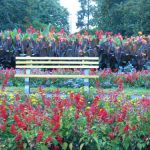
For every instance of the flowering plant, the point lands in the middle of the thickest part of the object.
(74, 121)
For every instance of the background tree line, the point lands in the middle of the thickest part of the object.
(124, 16)
(38, 13)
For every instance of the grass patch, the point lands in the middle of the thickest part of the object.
(127, 91)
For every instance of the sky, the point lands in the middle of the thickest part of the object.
(73, 6)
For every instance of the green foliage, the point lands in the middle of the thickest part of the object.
(124, 16)
(38, 13)
(85, 15)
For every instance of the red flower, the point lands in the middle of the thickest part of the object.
(52, 30)
(47, 102)
(3, 127)
(18, 137)
(11, 107)
(145, 138)
(77, 97)
(18, 97)
(13, 129)
(55, 119)
(48, 139)
(56, 147)
(103, 113)
(77, 116)
(16, 118)
(22, 125)
(40, 133)
(110, 121)
(97, 33)
(120, 118)
(56, 127)
(86, 33)
(3, 112)
(20, 146)
(116, 129)
(90, 131)
(145, 102)
(59, 139)
(134, 128)
(62, 31)
(38, 138)
(126, 128)
(19, 30)
(111, 136)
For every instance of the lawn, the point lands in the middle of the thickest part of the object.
(127, 90)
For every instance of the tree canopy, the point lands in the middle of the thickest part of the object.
(124, 16)
(23, 13)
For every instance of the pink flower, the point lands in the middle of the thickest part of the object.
(111, 136)
(3, 127)
(19, 30)
(126, 128)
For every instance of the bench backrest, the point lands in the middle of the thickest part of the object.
(57, 62)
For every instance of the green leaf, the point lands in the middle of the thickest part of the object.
(34, 36)
(81, 146)
(126, 145)
(97, 142)
(140, 146)
(70, 146)
(81, 139)
(64, 146)
(25, 145)
(96, 139)
(46, 30)
(25, 36)
(13, 33)
(44, 147)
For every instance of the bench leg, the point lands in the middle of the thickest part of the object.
(27, 86)
(86, 81)
(27, 83)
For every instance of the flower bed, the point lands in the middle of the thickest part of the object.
(74, 122)
(114, 50)
(107, 78)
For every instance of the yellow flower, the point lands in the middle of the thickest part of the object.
(80, 113)
(143, 96)
(119, 100)
(81, 88)
(11, 96)
(88, 107)
(71, 108)
(140, 33)
(34, 103)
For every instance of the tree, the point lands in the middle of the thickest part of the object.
(125, 16)
(22, 13)
(85, 15)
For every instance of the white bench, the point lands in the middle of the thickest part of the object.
(28, 63)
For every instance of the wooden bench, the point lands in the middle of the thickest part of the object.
(29, 63)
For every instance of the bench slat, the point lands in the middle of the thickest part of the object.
(46, 67)
(57, 62)
(55, 76)
(57, 58)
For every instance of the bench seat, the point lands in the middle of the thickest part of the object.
(29, 63)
